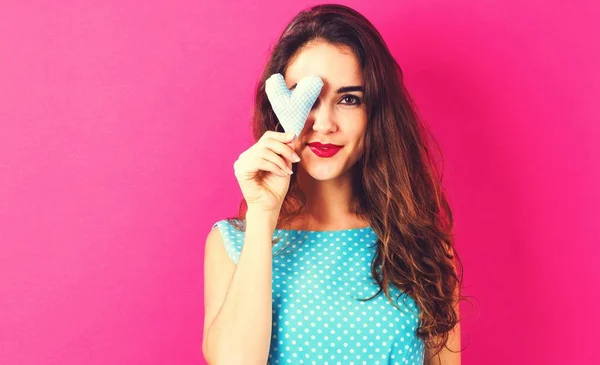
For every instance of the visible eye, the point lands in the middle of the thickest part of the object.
(356, 99)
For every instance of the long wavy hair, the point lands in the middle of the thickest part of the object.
(397, 185)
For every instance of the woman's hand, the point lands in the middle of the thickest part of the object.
(263, 171)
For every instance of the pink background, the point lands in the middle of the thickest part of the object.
(120, 123)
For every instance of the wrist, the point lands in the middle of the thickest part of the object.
(259, 216)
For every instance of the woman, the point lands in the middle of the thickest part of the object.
(346, 231)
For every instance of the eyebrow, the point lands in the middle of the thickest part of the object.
(343, 89)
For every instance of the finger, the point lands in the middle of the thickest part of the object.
(278, 136)
(282, 149)
(266, 165)
(269, 155)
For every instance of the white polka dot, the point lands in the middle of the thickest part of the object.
(318, 277)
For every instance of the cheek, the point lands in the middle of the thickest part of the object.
(359, 137)
(357, 149)
(360, 147)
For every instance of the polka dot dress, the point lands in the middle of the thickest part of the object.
(318, 277)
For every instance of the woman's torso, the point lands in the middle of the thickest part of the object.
(318, 277)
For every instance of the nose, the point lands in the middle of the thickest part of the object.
(322, 117)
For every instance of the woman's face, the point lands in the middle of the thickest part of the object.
(338, 116)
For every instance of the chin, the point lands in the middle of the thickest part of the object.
(323, 171)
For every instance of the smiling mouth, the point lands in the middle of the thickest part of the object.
(324, 151)
(324, 145)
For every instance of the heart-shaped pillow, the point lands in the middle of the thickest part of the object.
(292, 107)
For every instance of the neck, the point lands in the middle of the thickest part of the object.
(329, 204)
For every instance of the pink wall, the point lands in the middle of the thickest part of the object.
(113, 118)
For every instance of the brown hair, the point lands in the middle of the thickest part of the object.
(397, 187)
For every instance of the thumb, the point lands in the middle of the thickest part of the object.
(294, 142)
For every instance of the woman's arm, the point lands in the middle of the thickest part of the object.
(238, 320)
(450, 354)
(447, 357)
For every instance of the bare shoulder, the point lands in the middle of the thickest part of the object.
(216, 246)
(215, 252)
(214, 236)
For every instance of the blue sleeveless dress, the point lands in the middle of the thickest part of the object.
(317, 278)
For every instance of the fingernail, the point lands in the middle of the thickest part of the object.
(295, 157)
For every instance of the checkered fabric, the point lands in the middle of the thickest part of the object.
(292, 107)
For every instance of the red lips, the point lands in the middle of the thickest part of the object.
(324, 150)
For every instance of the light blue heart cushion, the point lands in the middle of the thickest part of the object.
(292, 107)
